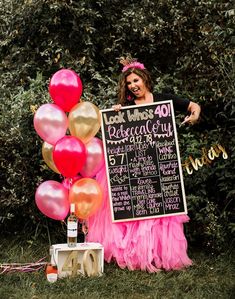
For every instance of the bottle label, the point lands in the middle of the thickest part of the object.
(72, 229)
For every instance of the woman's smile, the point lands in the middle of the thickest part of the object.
(136, 85)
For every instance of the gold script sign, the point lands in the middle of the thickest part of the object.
(208, 155)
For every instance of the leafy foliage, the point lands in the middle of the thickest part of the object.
(188, 46)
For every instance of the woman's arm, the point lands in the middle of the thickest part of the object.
(195, 111)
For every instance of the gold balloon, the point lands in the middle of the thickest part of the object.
(84, 121)
(47, 150)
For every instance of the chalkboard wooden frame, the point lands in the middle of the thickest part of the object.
(133, 194)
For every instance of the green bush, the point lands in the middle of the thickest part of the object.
(188, 47)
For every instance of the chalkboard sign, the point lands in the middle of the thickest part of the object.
(143, 162)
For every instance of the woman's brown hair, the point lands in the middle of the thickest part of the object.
(123, 91)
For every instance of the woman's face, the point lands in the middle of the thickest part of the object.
(136, 85)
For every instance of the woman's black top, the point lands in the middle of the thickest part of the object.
(180, 104)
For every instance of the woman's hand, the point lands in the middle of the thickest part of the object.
(117, 107)
(194, 110)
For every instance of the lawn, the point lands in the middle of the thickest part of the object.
(209, 277)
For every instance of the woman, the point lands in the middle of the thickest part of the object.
(152, 244)
(135, 87)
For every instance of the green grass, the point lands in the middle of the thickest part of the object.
(209, 277)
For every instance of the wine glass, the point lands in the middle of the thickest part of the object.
(85, 229)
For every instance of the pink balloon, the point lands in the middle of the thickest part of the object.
(65, 89)
(95, 158)
(50, 122)
(69, 155)
(68, 182)
(52, 200)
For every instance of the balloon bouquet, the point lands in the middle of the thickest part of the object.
(77, 156)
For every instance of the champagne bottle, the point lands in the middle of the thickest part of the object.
(72, 227)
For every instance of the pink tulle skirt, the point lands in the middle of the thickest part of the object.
(148, 245)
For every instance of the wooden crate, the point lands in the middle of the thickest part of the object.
(86, 259)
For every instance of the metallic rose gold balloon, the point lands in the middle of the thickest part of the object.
(95, 158)
(52, 200)
(50, 122)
